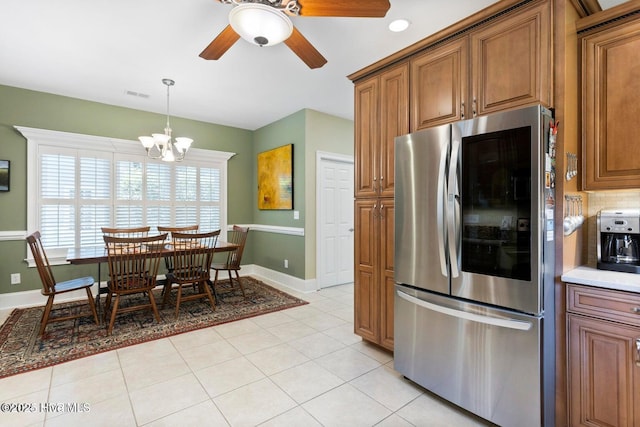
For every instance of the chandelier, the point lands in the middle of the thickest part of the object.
(160, 145)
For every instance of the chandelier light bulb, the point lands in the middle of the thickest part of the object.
(160, 146)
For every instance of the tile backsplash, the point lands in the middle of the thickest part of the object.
(599, 200)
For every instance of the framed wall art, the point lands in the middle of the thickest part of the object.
(275, 178)
(4, 175)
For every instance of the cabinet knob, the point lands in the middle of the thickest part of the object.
(635, 310)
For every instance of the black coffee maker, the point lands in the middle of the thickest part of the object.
(619, 240)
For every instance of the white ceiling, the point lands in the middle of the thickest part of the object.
(99, 50)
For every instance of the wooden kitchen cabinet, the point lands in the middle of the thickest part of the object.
(373, 290)
(498, 66)
(494, 61)
(382, 113)
(439, 86)
(610, 108)
(511, 61)
(603, 357)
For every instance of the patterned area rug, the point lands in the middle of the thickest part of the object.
(22, 349)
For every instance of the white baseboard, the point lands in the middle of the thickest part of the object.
(294, 283)
(35, 298)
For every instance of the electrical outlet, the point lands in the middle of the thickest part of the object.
(15, 278)
(286, 263)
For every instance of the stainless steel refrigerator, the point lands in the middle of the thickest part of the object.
(474, 264)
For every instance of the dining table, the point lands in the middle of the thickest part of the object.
(98, 255)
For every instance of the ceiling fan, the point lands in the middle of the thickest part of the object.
(266, 23)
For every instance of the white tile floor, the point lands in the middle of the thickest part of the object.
(297, 367)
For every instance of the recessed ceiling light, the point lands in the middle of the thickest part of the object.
(399, 25)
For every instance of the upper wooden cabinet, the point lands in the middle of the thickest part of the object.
(382, 113)
(511, 61)
(502, 64)
(439, 85)
(610, 107)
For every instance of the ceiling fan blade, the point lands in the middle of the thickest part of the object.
(351, 8)
(220, 44)
(305, 50)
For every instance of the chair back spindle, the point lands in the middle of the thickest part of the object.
(191, 260)
(237, 236)
(192, 255)
(42, 263)
(168, 261)
(133, 262)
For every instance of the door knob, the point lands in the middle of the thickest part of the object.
(351, 230)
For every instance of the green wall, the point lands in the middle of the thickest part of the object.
(270, 249)
(41, 110)
(310, 131)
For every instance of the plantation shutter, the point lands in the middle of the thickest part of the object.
(57, 198)
(95, 198)
(78, 184)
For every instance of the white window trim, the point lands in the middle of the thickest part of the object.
(36, 137)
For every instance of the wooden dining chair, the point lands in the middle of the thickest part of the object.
(237, 236)
(51, 288)
(126, 232)
(133, 267)
(191, 259)
(168, 260)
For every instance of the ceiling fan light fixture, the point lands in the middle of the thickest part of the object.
(260, 24)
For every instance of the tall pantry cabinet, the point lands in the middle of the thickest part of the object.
(382, 109)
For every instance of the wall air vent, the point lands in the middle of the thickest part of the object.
(137, 94)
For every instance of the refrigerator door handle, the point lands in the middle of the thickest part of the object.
(465, 315)
(453, 203)
(440, 212)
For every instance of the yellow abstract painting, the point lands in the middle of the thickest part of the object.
(275, 178)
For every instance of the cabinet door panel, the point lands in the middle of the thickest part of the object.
(610, 108)
(394, 121)
(604, 383)
(365, 287)
(387, 286)
(366, 137)
(511, 62)
(439, 85)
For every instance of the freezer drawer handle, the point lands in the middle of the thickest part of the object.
(489, 320)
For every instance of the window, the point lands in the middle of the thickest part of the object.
(75, 189)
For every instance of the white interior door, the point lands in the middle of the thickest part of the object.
(334, 263)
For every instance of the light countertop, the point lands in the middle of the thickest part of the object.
(603, 279)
